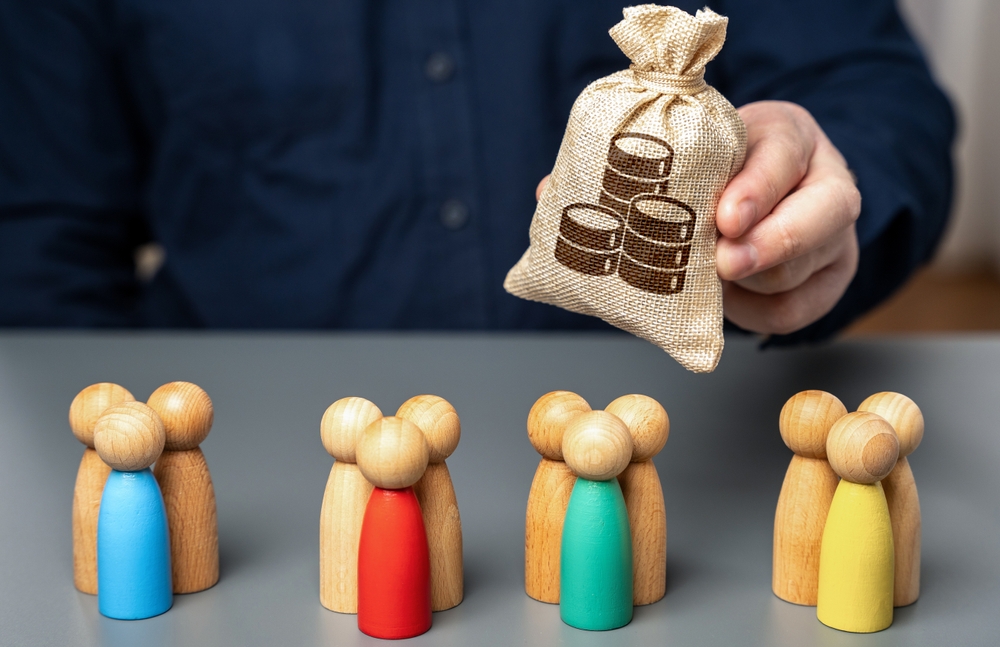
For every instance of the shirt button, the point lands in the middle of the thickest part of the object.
(454, 214)
(439, 67)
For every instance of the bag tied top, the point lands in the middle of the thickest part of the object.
(625, 228)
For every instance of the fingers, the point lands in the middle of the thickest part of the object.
(823, 207)
(791, 274)
(541, 187)
(787, 311)
(781, 139)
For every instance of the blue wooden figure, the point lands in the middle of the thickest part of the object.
(596, 558)
(133, 542)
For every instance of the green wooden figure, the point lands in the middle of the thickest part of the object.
(596, 559)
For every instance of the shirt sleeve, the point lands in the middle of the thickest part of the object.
(855, 67)
(69, 196)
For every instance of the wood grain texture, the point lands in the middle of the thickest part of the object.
(129, 436)
(347, 493)
(862, 447)
(804, 423)
(392, 453)
(597, 445)
(439, 508)
(90, 480)
(803, 504)
(86, 408)
(548, 419)
(189, 499)
(344, 500)
(856, 563)
(904, 512)
(547, 502)
(647, 518)
(901, 490)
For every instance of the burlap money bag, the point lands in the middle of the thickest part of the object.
(625, 228)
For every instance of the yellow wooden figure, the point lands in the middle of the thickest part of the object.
(856, 558)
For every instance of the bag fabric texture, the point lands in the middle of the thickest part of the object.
(625, 228)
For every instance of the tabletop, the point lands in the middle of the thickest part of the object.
(721, 471)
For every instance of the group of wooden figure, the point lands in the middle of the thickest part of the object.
(390, 531)
(595, 534)
(846, 530)
(139, 536)
(847, 526)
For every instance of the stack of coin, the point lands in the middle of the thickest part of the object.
(657, 244)
(637, 164)
(590, 239)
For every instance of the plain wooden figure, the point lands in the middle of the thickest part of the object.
(441, 426)
(806, 494)
(901, 491)
(87, 407)
(856, 560)
(596, 561)
(347, 493)
(394, 568)
(550, 492)
(182, 472)
(649, 427)
(133, 542)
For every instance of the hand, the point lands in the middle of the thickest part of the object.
(788, 248)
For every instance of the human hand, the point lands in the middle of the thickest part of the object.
(788, 248)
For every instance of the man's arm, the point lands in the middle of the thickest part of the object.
(866, 103)
(69, 197)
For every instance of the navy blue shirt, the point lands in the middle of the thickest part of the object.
(359, 164)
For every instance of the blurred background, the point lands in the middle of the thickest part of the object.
(960, 290)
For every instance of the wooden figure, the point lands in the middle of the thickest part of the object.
(87, 407)
(394, 568)
(436, 494)
(856, 560)
(901, 491)
(596, 562)
(182, 472)
(550, 492)
(347, 493)
(133, 542)
(806, 493)
(649, 427)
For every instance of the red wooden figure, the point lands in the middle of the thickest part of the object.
(394, 573)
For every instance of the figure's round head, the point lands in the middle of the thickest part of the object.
(342, 425)
(548, 418)
(806, 420)
(647, 422)
(438, 420)
(186, 411)
(392, 453)
(129, 436)
(597, 446)
(862, 447)
(89, 404)
(902, 413)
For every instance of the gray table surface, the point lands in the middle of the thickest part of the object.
(721, 470)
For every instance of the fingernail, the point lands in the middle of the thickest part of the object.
(742, 259)
(747, 212)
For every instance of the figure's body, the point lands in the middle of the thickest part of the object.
(439, 422)
(649, 427)
(901, 491)
(596, 552)
(550, 493)
(806, 494)
(856, 560)
(133, 541)
(86, 408)
(184, 478)
(344, 500)
(394, 580)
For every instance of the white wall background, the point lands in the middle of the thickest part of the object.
(962, 40)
